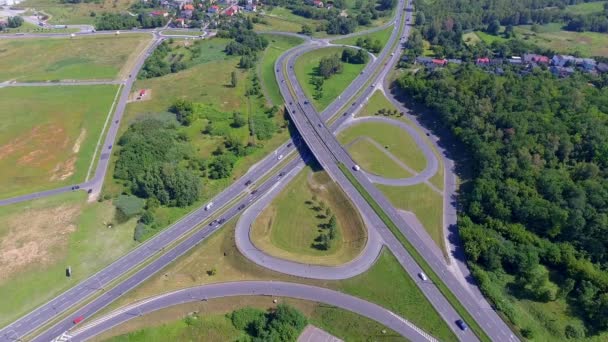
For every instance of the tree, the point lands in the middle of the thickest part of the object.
(420, 18)
(14, 22)
(329, 66)
(183, 110)
(238, 120)
(494, 27)
(306, 29)
(233, 79)
(221, 166)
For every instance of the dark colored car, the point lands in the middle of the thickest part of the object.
(110, 147)
(241, 207)
(222, 220)
(462, 325)
(248, 183)
(289, 145)
(281, 174)
(254, 192)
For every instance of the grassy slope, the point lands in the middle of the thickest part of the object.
(219, 251)
(89, 247)
(305, 67)
(204, 83)
(586, 7)
(382, 35)
(378, 101)
(422, 201)
(76, 13)
(82, 58)
(373, 160)
(275, 232)
(39, 130)
(338, 322)
(399, 143)
(551, 37)
(278, 45)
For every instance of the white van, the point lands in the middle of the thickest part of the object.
(423, 276)
(209, 205)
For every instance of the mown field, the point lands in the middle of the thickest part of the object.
(275, 233)
(40, 238)
(81, 58)
(48, 135)
(278, 45)
(305, 68)
(62, 13)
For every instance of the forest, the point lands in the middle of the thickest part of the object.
(536, 204)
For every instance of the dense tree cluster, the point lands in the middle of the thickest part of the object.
(246, 42)
(117, 21)
(14, 22)
(183, 110)
(150, 162)
(158, 63)
(354, 57)
(538, 196)
(329, 66)
(284, 323)
(374, 46)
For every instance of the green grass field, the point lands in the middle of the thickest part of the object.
(305, 68)
(191, 33)
(48, 135)
(552, 37)
(40, 238)
(81, 58)
(207, 82)
(278, 45)
(378, 101)
(274, 230)
(422, 201)
(212, 324)
(382, 35)
(277, 24)
(394, 139)
(63, 13)
(586, 7)
(372, 159)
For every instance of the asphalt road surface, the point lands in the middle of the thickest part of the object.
(254, 288)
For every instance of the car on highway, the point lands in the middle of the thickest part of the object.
(423, 276)
(248, 183)
(109, 147)
(280, 157)
(254, 192)
(241, 207)
(289, 145)
(220, 221)
(356, 167)
(209, 205)
(281, 174)
(78, 319)
(462, 325)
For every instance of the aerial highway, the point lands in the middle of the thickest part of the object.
(195, 227)
(330, 153)
(253, 288)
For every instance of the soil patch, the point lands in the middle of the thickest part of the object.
(37, 237)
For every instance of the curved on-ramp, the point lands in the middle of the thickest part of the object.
(350, 269)
(253, 288)
(432, 164)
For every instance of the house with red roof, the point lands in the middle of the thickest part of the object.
(213, 9)
(483, 60)
(232, 10)
(188, 7)
(159, 14)
(318, 3)
(440, 62)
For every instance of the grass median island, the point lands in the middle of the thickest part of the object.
(80, 58)
(40, 238)
(306, 68)
(293, 225)
(372, 159)
(395, 140)
(48, 135)
(378, 102)
(214, 325)
(382, 36)
(425, 203)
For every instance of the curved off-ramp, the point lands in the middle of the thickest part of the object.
(354, 267)
(432, 164)
(253, 288)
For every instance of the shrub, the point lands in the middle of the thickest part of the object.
(129, 205)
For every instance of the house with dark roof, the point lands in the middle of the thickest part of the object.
(424, 60)
(602, 67)
(561, 71)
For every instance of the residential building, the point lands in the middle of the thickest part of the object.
(318, 3)
(534, 58)
(159, 14)
(482, 61)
